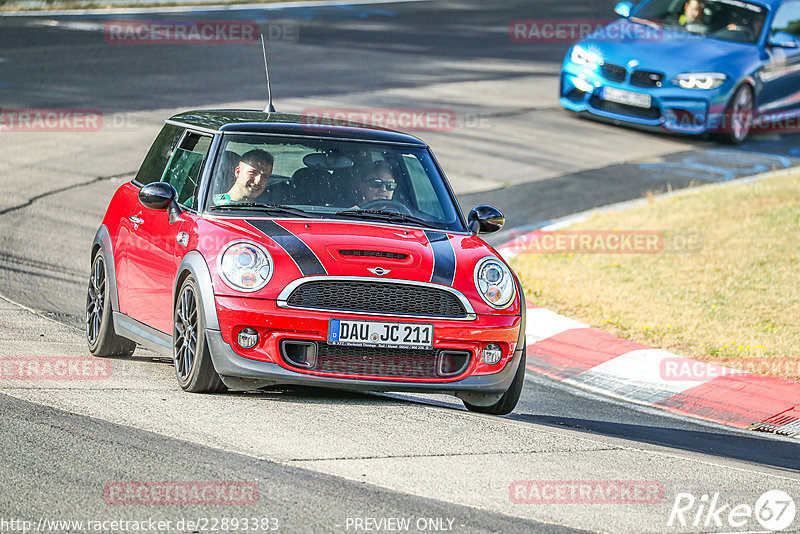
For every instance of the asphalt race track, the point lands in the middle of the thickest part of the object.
(323, 460)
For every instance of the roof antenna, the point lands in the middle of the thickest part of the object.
(270, 108)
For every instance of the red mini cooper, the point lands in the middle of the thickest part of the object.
(260, 249)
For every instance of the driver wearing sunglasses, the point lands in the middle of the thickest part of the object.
(378, 184)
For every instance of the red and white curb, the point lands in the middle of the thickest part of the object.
(577, 354)
(589, 358)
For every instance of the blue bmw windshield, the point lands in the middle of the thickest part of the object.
(729, 20)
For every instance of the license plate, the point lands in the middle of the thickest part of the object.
(620, 96)
(380, 334)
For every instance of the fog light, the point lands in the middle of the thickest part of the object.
(492, 354)
(247, 338)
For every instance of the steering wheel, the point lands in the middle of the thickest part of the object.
(387, 205)
(735, 28)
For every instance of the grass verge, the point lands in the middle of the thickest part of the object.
(722, 288)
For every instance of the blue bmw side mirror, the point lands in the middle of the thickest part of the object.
(623, 9)
(783, 40)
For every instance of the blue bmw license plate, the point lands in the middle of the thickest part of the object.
(620, 96)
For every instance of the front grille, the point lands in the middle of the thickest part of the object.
(651, 113)
(404, 363)
(374, 254)
(612, 72)
(646, 78)
(376, 297)
(376, 362)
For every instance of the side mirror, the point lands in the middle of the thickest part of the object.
(623, 9)
(161, 196)
(783, 40)
(485, 220)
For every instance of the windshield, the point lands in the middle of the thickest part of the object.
(331, 179)
(730, 20)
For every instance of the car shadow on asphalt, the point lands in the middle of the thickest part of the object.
(769, 451)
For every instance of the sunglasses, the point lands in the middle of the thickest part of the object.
(377, 183)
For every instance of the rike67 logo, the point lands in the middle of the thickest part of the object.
(774, 510)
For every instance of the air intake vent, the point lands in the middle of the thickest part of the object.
(366, 361)
(374, 254)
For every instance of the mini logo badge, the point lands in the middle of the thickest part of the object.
(633, 63)
(380, 271)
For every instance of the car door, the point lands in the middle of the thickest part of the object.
(781, 75)
(155, 253)
(129, 213)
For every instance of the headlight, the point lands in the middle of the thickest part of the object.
(244, 266)
(584, 58)
(494, 282)
(700, 80)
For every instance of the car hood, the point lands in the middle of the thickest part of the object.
(304, 247)
(668, 51)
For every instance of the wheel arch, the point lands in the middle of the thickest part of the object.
(102, 241)
(750, 82)
(195, 264)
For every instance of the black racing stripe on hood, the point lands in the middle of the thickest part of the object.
(444, 258)
(302, 255)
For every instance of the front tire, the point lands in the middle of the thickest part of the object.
(738, 119)
(102, 339)
(509, 400)
(193, 365)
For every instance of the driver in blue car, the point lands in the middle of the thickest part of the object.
(378, 183)
(251, 175)
(693, 13)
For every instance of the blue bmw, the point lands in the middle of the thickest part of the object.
(722, 67)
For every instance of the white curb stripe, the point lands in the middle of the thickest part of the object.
(541, 323)
(791, 428)
(635, 376)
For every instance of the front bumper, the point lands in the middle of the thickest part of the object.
(672, 108)
(242, 373)
(265, 364)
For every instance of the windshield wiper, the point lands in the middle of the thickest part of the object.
(272, 208)
(391, 216)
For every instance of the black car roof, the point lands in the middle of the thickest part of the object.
(251, 121)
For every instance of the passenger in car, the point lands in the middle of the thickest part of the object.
(378, 183)
(251, 175)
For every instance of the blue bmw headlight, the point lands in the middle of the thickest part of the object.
(700, 80)
(584, 58)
